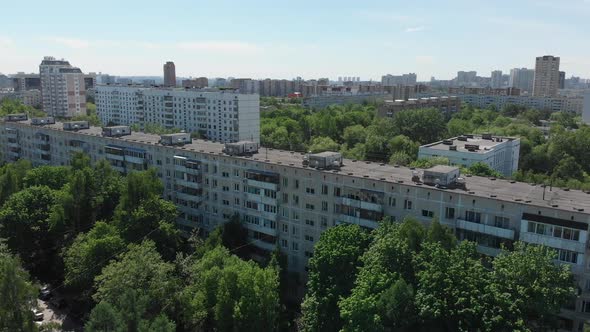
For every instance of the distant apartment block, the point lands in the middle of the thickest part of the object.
(554, 104)
(28, 97)
(223, 116)
(63, 88)
(546, 80)
(405, 79)
(24, 82)
(483, 91)
(319, 102)
(500, 153)
(169, 74)
(496, 79)
(201, 82)
(448, 104)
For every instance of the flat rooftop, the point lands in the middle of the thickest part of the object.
(502, 190)
(469, 142)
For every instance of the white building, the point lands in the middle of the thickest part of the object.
(218, 115)
(500, 153)
(523, 79)
(554, 104)
(62, 88)
(496, 79)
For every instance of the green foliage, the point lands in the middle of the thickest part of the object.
(13, 106)
(88, 253)
(138, 284)
(421, 125)
(430, 162)
(104, 317)
(24, 219)
(54, 177)
(11, 178)
(483, 169)
(17, 295)
(91, 116)
(231, 294)
(321, 144)
(333, 269)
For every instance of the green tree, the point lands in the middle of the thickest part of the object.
(85, 258)
(229, 294)
(321, 144)
(404, 145)
(139, 284)
(421, 125)
(332, 273)
(17, 295)
(105, 318)
(354, 134)
(528, 288)
(451, 287)
(24, 224)
(457, 127)
(483, 169)
(11, 178)
(159, 324)
(54, 177)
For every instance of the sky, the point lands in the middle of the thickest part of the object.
(286, 39)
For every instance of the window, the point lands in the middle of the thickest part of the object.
(284, 244)
(295, 246)
(310, 191)
(285, 198)
(407, 204)
(426, 213)
(295, 200)
(391, 201)
(296, 184)
(450, 213)
(501, 222)
(285, 228)
(567, 256)
(225, 174)
(309, 206)
(324, 206)
(324, 189)
(294, 230)
(309, 222)
(308, 254)
(309, 238)
(324, 221)
(236, 186)
(473, 216)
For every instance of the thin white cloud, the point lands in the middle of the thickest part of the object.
(5, 42)
(220, 46)
(425, 59)
(415, 29)
(69, 42)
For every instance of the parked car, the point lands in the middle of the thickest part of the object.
(45, 295)
(37, 315)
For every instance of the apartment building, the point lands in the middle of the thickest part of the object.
(496, 79)
(219, 115)
(62, 88)
(170, 74)
(405, 79)
(201, 82)
(28, 97)
(546, 82)
(522, 78)
(444, 104)
(554, 104)
(25, 82)
(586, 111)
(286, 202)
(500, 153)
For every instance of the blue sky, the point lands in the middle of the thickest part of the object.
(285, 39)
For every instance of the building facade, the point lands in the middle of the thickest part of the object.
(405, 79)
(287, 205)
(586, 111)
(522, 78)
(201, 82)
(223, 116)
(24, 82)
(444, 104)
(169, 74)
(63, 88)
(496, 79)
(554, 104)
(500, 153)
(546, 81)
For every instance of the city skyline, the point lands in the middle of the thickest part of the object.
(337, 39)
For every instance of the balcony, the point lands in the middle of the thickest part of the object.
(135, 160)
(188, 184)
(261, 199)
(485, 229)
(360, 204)
(261, 184)
(189, 198)
(264, 245)
(260, 229)
(553, 242)
(488, 251)
(13, 144)
(358, 221)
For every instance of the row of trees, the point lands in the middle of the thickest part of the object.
(109, 245)
(406, 277)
